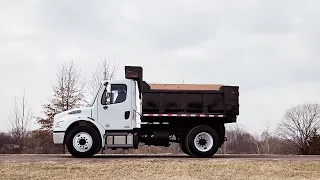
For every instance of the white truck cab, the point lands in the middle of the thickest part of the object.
(115, 108)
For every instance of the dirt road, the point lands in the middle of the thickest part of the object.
(101, 158)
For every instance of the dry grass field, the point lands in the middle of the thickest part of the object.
(158, 168)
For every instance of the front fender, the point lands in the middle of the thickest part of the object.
(69, 120)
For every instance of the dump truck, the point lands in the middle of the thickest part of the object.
(128, 112)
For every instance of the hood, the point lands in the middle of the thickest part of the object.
(83, 111)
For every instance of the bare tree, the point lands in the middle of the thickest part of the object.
(256, 140)
(20, 117)
(299, 123)
(240, 141)
(67, 94)
(314, 143)
(265, 138)
(281, 146)
(105, 71)
(5, 140)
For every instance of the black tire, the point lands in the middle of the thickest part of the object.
(98, 150)
(95, 142)
(184, 148)
(191, 147)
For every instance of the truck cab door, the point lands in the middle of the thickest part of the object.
(114, 109)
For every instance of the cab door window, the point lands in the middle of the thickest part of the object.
(119, 94)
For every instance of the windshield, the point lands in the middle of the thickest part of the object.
(95, 96)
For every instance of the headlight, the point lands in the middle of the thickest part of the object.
(59, 124)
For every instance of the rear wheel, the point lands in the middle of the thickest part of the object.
(202, 141)
(98, 151)
(83, 141)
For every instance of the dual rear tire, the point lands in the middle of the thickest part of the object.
(201, 141)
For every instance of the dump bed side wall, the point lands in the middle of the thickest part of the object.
(182, 102)
(222, 101)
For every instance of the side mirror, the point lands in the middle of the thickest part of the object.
(108, 95)
(108, 99)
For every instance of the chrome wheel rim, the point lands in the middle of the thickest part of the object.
(203, 142)
(82, 142)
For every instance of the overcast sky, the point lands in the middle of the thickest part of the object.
(270, 48)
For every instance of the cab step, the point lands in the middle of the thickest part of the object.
(120, 139)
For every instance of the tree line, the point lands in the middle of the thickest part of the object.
(297, 131)
(68, 92)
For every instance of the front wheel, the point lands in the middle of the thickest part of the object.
(202, 141)
(83, 141)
